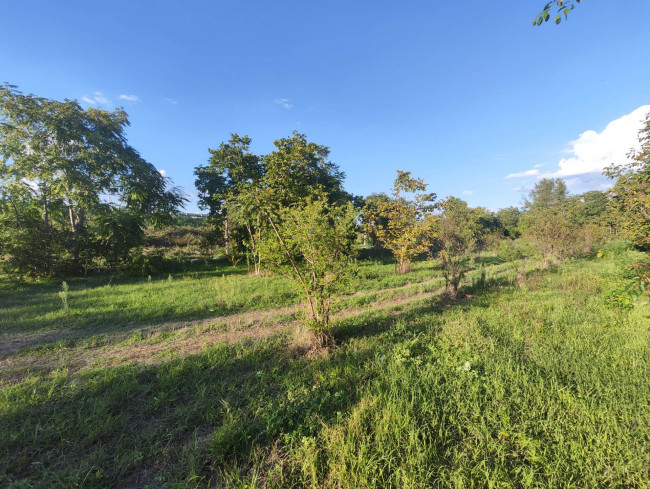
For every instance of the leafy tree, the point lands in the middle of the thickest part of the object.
(509, 221)
(312, 243)
(70, 160)
(458, 234)
(401, 223)
(370, 211)
(230, 169)
(562, 8)
(547, 222)
(297, 170)
(547, 193)
(631, 193)
(588, 207)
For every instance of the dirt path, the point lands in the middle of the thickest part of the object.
(187, 338)
(10, 344)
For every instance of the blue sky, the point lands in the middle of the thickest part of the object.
(467, 95)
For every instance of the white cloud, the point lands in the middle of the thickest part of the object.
(284, 102)
(593, 151)
(163, 172)
(130, 98)
(171, 101)
(523, 174)
(538, 165)
(468, 192)
(98, 98)
(522, 188)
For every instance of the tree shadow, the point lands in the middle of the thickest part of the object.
(133, 425)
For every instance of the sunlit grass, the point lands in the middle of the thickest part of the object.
(543, 385)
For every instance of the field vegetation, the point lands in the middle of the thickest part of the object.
(523, 383)
(300, 336)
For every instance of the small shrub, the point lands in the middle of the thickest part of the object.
(64, 297)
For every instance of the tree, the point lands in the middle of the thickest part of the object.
(299, 169)
(547, 222)
(547, 193)
(401, 223)
(631, 193)
(458, 235)
(312, 243)
(230, 169)
(70, 161)
(509, 221)
(370, 208)
(562, 9)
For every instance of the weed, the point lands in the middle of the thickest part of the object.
(63, 294)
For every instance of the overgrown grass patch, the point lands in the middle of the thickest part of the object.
(543, 385)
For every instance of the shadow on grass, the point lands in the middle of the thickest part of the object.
(132, 426)
(190, 417)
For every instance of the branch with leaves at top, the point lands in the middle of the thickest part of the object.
(561, 8)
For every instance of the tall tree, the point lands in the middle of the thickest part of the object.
(75, 159)
(547, 222)
(299, 169)
(548, 192)
(230, 169)
(401, 223)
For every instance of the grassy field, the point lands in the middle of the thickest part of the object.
(204, 379)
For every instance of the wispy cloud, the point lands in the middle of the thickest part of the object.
(468, 192)
(130, 98)
(522, 188)
(523, 174)
(284, 102)
(171, 101)
(97, 98)
(100, 99)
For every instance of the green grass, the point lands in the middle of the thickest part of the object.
(540, 386)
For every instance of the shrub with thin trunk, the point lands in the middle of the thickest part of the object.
(313, 245)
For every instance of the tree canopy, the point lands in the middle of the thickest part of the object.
(61, 164)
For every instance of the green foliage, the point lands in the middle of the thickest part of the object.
(229, 168)
(145, 265)
(299, 169)
(64, 297)
(509, 221)
(547, 222)
(562, 9)
(631, 193)
(59, 164)
(401, 224)
(458, 234)
(178, 239)
(313, 245)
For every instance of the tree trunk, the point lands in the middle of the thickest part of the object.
(453, 289)
(404, 266)
(76, 222)
(226, 233)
